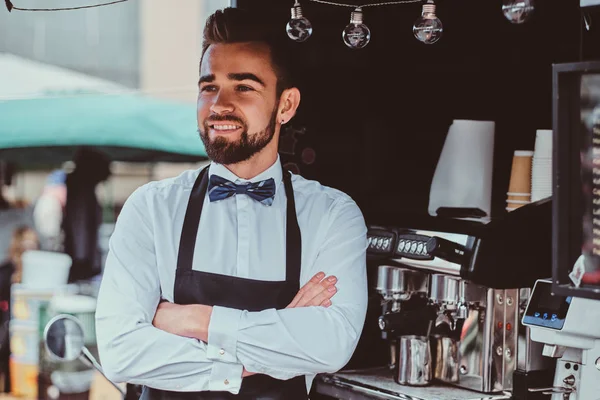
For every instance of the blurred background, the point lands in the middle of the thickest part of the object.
(94, 103)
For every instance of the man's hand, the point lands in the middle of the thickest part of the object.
(183, 320)
(316, 292)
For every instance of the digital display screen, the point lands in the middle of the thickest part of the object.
(545, 309)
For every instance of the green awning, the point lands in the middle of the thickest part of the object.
(127, 127)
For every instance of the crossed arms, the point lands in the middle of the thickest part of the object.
(197, 348)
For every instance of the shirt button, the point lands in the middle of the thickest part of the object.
(222, 352)
(226, 382)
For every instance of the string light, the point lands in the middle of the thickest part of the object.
(356, 35)
(10, 6)
(428, 27)
(517, 11)
(298, 28)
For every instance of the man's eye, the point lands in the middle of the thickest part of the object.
(208, 88)
(244, 88)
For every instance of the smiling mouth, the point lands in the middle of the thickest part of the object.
(224, 128)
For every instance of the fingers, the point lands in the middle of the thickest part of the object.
(317, 294)
(315, 280)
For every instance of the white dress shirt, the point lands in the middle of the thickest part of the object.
(238, 237)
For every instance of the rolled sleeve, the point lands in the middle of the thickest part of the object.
(223, 334)
(226, 377)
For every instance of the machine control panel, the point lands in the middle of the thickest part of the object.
(381, 242)
(546, 309)
(413, 246)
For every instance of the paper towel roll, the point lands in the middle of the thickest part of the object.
(463, 176)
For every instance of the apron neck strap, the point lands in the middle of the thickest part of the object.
(189, 232)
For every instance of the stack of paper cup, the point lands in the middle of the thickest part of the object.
(519, 188)
(541, 171)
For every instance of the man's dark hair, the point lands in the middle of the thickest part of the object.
(236, 25)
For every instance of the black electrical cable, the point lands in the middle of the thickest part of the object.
(10, 6)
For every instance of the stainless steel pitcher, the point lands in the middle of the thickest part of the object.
(414, 361)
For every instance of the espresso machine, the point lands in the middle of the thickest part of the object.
(569, 329)
(463, 287)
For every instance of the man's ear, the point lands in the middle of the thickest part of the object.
(288, 104)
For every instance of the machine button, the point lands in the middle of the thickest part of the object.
(499, 350)
(370, 240)
(598, 363)
(413, 247)
(508, 354)
(401, 246)
(499, 298)
(509, 301)
(386, 243)
(378, 243)
(420, 247)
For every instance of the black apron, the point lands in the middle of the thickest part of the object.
(197, 287)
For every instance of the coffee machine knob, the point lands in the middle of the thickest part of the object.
(569, 380)
(382, 323)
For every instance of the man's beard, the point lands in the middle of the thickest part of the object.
(223, 151)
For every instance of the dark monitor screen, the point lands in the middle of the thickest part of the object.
(586, 207)
(576, 174)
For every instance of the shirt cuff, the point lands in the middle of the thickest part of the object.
(223, 334)
(226, 377)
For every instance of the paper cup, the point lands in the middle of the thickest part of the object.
(510, 201)
(519, 196)
(513, 205)
(520, 174)
(543, 143)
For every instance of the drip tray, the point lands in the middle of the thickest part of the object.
(379, 384)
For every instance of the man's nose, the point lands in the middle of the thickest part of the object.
(222, 104)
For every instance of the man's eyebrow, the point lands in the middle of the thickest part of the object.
(207, 79)
(242, 76)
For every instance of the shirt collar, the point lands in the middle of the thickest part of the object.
(274, 171)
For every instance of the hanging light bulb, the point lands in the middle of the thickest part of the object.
(298, 28)
(517, 11)
(428, 27)
(356, 35)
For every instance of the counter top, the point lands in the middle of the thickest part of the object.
(379, 384)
